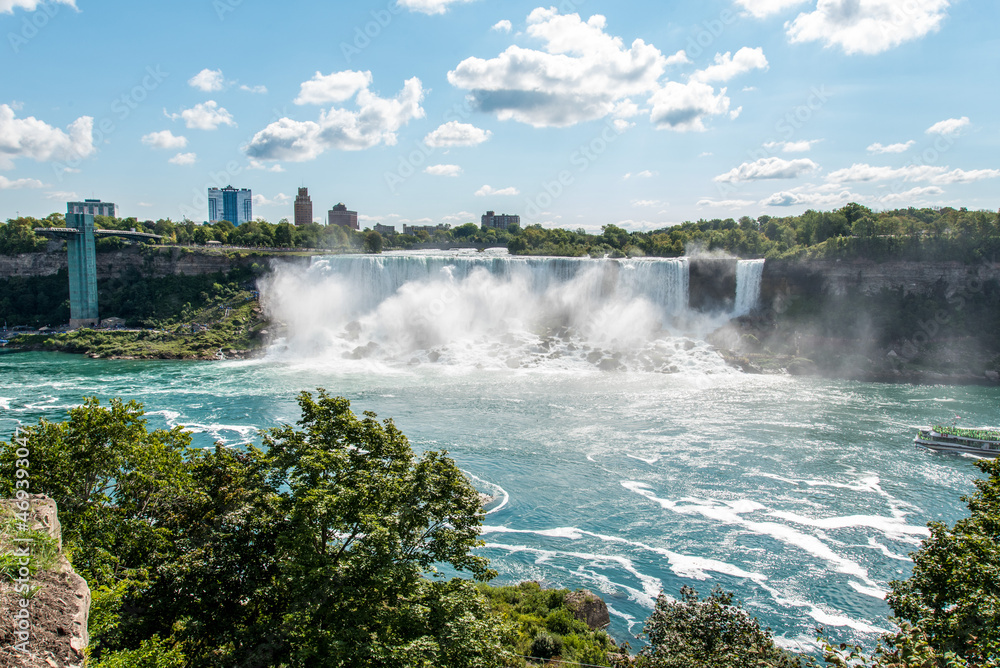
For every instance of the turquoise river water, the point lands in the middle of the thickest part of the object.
(803, 496)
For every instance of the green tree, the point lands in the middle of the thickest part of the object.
(373, 242)
(953, 594)
(709, 633)
(366, 521)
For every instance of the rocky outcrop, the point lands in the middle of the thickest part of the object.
(52, 633)
(589, 608)
(151, 262)
(783, 278)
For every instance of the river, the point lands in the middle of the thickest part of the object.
(623, 456)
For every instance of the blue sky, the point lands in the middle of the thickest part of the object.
(578, 114)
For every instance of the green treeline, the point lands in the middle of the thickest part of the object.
(323, 550)
(853, 231)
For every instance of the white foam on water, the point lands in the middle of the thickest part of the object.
(629, 619)
(874, 592)
(874, 544)
(890, 526)
(801, 644)
(686, 566)
(170, 417)
(825, 615)
(244, 433)
(5, 403)
(497, 490)
(648, 460)
(730, 513)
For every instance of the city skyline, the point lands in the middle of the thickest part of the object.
(432, 111)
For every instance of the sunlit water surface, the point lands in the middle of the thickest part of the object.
(802, 496)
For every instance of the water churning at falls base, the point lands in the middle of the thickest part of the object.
(493, 311)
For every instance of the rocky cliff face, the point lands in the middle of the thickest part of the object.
(788, 278)
(165, 261)
(52, 630)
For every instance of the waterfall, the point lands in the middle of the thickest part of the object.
(748, 279)
(488, 310)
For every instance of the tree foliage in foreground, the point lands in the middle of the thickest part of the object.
(713, 632)
(319, 552)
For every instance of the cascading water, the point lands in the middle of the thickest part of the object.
(489, 310)
(748, 279)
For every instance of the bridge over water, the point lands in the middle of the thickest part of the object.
(80, 236)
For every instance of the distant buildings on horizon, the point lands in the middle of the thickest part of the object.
(229, 203)
(236, 206)
(303, 208)
(502, 222)
(339, 215)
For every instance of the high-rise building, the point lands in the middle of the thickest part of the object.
(501, 222)
(303, 208)
(339, 215)
(93, 207)
(230, 204)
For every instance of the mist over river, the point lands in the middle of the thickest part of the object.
(622, 454)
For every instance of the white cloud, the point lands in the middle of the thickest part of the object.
(725, 203)
(867, 26)
(143, 204)
(281, 199)
(454, 133)
(909, 196)
(461, 215)
(891, 148)
(336, 87)
(184, 159)
(258, 90)
(761, 8)
(164, 139)
(682, 107)
(203, 116)
(257, 164)
(502, 26)
(8, 6)
(679, 58)
(35, 139)
(768, 168)
(17, 184)
(647, 203)
(208, 81)
(486, 191)
(64, 195)
(728, 66)
(644, 174)
(429, 6)
(949, 126)
(792, 146)
(811, 197)
(735, 113)
(375, 122)
(912, 173)
(444, 170)
(580, 75)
